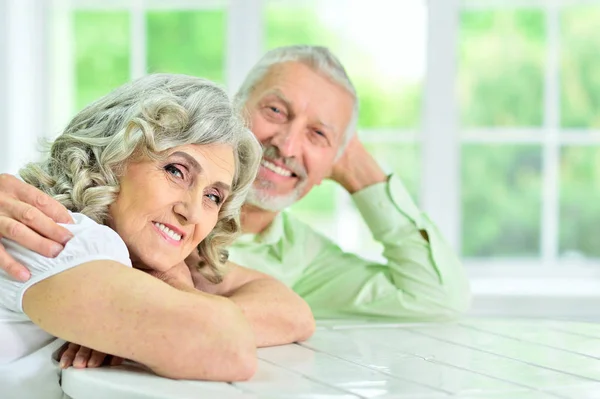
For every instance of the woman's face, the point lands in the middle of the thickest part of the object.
(166, 208)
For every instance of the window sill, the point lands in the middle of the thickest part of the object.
(573, 298)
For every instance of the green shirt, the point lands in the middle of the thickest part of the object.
(421, 280)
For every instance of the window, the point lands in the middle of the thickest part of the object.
(528, 95)
(491, 118)
(501, 90)
(176, 41)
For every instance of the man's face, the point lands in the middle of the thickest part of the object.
(300, 118)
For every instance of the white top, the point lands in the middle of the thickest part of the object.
(28, 365)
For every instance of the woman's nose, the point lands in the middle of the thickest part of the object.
(190, 209)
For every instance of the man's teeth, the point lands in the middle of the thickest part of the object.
(168, 231)
(277, 169)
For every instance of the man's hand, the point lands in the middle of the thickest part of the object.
(29, 217)
(357, 169)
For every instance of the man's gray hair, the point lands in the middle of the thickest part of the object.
(319, 59)
(140, 119)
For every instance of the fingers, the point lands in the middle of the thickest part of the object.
(116, 361)
(12, 267)
(34, 197)
(23, 235)
(82, 357)
(96, 359)
(68, 355)
(14, 211)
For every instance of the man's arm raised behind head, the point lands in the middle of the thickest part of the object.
(29, 217)
(422, 280)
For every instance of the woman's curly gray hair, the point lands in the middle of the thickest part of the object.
(145, 118)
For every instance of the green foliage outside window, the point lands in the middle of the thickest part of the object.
(502, 58)
(188, 42)
(101, 53)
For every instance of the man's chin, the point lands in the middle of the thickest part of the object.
(270, 203)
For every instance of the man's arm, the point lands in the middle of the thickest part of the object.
(276, 313)
(118, 310)
(422, 280)
(29, 217)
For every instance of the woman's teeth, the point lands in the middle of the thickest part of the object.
(168, 231)
(277, 169)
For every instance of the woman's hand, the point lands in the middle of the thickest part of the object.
(81, 357)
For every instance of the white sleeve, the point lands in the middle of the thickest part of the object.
(91, 241)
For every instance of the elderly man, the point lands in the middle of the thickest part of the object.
(303, 108)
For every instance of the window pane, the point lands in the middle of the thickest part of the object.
(384, 56)
(189, 42)
(501, 200)
(500, 79)
(579, 206)
(580, 66)
(402, 159)
(101, 53)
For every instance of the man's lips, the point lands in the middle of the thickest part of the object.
(277, 168)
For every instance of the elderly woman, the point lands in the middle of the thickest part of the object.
(153, 172)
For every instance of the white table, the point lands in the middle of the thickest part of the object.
(470, 359)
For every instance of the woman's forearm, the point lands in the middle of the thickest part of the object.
(276, 313)
(114, 309)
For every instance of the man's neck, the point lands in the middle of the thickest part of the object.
(256, 220)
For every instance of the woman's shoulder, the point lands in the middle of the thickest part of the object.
(91, 242)
(82, 222)
(93, 239)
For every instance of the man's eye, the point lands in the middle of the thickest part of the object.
(275, 110)
(174, 170)
(320, 133)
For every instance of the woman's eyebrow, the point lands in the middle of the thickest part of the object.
(223, 186)
(193, 163)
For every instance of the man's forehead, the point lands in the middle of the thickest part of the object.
(327, 95)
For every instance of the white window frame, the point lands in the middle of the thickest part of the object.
(440, 138)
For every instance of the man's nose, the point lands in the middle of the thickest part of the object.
(289, 140)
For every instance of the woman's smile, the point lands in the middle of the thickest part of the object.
(170, 233)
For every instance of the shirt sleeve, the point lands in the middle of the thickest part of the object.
(90, 242)
(422, 280)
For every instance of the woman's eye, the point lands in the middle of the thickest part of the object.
(214, 198)
(320, 133)
(275, 109)
(174, 170)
